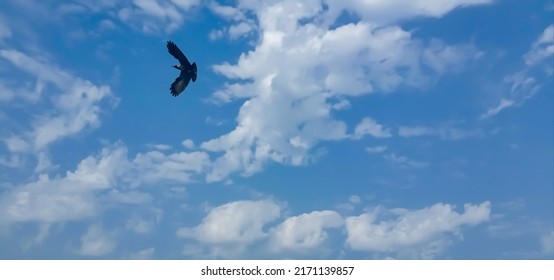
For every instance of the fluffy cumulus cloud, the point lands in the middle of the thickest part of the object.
(240, 225)
(301, 71)
(305, 232)
(239, 222)
(289, 87)
(68, 198)
(107, 177)
(411, 229)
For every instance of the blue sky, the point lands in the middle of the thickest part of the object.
(316, 130)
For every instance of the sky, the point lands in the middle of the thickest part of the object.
(317, 129)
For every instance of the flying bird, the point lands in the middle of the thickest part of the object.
(188, 71)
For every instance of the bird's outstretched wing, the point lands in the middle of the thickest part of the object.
(177, 53)
(179, 85)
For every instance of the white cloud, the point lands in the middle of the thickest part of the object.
(542, 48)
(243, 229)
(502, 104)
(77, 195)
(97, 242)
(354, 199)
(376, 149)
(12, 161)
(240, 29)
(299, 68)
(16, 144)
(406, 131)
(131, 197)
(5, 31)
(77, 106)
(155, 166)
(227, 12)
(162, 147)
(216, 34)
(43, 163)
(390, 11)
(238, 222)
(444, 132)
(152, 16)
(145, 254)
(185, 4)
(547, 244)
(106, 24)
(146, 223)
(304, 232)
(522, 87)
(63, 199)
(188, 143)
(43, 234)
(411, 228)
(404, 162)
(368, 126)
(149, 16)
(443, 58)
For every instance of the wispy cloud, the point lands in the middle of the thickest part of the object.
(97, 242)
(157, 15)
(376, 149)
(542, 48)
(404, 162)
(78, 103)
(523, 85)
(5, 31)
(445, 132)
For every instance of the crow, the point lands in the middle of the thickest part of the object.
(188, 71)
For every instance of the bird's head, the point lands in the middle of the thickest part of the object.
(176, 66)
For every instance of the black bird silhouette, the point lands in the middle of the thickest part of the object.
(188, 71)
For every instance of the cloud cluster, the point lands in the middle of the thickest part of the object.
(394, 231)
(410, 228)
(147, 16)
(303, 68)
(301, 71)
(152, 16)
(64, 105)
(109, 177)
